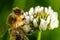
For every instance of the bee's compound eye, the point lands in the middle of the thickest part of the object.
(18, 11)
(23, 19)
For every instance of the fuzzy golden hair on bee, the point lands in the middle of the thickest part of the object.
(16, 18)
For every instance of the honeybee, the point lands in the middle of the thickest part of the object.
(16, 18)
(17, 21)
(19, 28)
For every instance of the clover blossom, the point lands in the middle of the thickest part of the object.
(42, 17)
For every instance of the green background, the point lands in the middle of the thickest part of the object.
(6, 8)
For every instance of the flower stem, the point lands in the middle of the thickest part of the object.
(39, 35)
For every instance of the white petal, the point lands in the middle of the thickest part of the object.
(31, 11)
(37, 9)
(26, 13)
(26, 28)
(50, 10)
(42, 8)
(56, 14)
(27, 19)
(43, 25)
(54, 21)
(31, 18)
(48, 19)
(46, 9)
(35, 22)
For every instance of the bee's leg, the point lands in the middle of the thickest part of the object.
(21, 35)
(12, 34)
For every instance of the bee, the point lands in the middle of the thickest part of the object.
(19, 29)
(17, 21)
(16, 18)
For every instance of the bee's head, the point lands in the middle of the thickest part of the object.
(17, 11)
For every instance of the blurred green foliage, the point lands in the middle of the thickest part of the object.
(6, 8)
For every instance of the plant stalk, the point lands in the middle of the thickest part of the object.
(39, 35)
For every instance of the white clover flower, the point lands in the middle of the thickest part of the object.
(46, 9)
(35, 22)
(43, 25)
(27, 19)
(31, 18)
(48, 19)
(50, 11)
(54, 21)
(37, 9)
(31, 11)
(42, 8)
(26, 14)
(26, 28)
